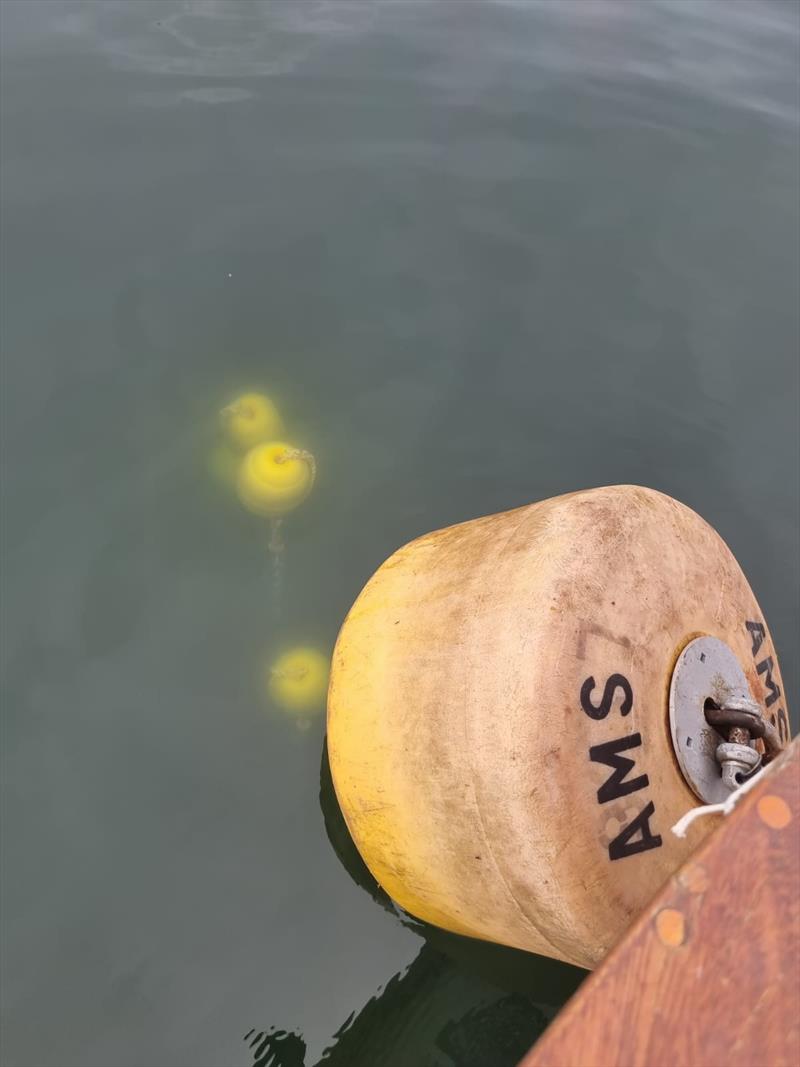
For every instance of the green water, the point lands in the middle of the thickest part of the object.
(481, 254)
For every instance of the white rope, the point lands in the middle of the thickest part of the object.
(725, 808)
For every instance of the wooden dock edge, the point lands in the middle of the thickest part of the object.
(709, 975)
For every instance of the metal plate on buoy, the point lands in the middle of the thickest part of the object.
(707, 669)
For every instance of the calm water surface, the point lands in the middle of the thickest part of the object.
(481, 254)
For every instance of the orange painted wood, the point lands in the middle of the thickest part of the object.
(709, 975)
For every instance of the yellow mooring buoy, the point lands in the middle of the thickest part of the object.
(275, 477)
(518, 714)
(298, 680)
(250, 419)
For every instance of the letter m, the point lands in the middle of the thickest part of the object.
(609, 753)
(765, 668)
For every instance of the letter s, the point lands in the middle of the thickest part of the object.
(616, 681)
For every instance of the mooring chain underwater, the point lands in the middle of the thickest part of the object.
(265, 490)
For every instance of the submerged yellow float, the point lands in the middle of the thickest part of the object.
(274, 478)
(250, 419)
(298, 680)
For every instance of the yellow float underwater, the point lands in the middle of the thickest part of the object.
(298, 680)
(274, 478)
(250, 419)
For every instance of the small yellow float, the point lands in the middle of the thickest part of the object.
(298, 680)
(250, 419)
(274, 478)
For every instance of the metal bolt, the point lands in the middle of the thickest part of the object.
(736, 760)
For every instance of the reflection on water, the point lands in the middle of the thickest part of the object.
(214, 38)
(478, 254)
(740, 53)
(276, 1048)
(459, 1002)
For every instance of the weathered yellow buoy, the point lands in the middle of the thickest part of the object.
(250, 419)
(298, 680)
(275, 477)
(498, 722)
